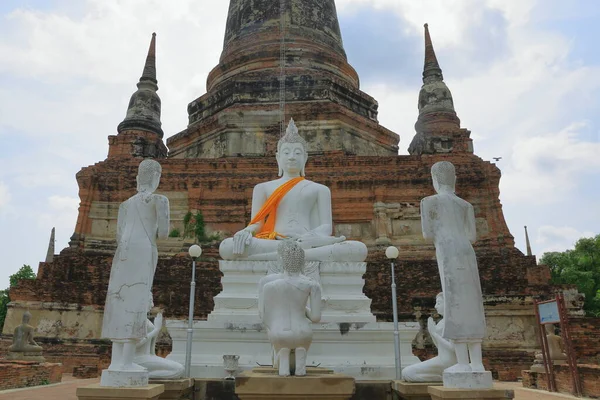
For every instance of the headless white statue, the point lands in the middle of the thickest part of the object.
(431, 370)
(282, 305)
(145, 354)
(450, 222)
(142, 218)
(302, 213)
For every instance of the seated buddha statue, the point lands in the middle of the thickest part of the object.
(291, 207)
(23, 346)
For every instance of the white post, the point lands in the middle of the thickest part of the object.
(392, 253)
(195, 251)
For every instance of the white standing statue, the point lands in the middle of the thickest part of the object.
(431, 370)
(291, 207)
(145, 354)
(450, 222)
(142, 218)
(282, 305)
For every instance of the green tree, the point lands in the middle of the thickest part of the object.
(25, 272)
(579, 266)
(4, 300)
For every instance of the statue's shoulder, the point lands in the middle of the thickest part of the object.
(317, 186)
(429, 200)
(160, 200)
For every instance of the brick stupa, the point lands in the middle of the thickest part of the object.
(228, 147)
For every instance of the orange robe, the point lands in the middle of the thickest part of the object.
(268, 213)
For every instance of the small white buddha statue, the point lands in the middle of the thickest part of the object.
(431, 370)
(145, 354)
(282, 305)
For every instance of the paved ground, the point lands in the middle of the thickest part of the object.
(60, 391)
(66, 391)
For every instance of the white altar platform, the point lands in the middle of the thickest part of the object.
(347, 340)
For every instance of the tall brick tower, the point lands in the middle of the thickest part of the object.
(239, 114)
(140, 134)
(438, 126)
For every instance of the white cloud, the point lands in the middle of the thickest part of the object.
(547, 168)
(4, 196)
(558, 238)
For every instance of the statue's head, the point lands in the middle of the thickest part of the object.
(148, 176)
(550, 330)
(444, 176)
(439, 303)
(292, 256)
(26, 317)
(292, 152)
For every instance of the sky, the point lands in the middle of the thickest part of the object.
(525, 76)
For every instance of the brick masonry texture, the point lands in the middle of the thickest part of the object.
(588, 374)
(18, 374)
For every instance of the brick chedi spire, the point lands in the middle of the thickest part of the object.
(240, 114)
(438, 126)
(140, 133)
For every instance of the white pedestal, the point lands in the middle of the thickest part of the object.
(348, 339)
(363, 351)
(123, 379)
(468, 380)
(341, 291)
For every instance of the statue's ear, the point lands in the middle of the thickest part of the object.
(278, 164)
(302, 171)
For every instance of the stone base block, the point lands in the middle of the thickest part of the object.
(468, 380)
(27, 356)
(97, 392)
(442, 393)
(176, 389)
(414, 390)
(309, 371)
(124, 379)
(364, 351)
(260, 386)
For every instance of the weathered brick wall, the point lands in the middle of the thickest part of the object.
(589, 376)
(585, 334)
(70, 354)
(18, 374)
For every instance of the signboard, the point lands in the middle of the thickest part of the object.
(549, 312)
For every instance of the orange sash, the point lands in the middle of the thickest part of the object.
(268, 212)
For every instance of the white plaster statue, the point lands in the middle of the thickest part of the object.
(431, 370)
(450, 222)
(282, 305)
(23, 346)
(145, 354)
(142, 218)
(291, 207)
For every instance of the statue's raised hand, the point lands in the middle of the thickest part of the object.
(158, 321)
(240, 240)
(431, 325)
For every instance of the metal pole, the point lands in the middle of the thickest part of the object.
(396, 333)
(190, 330)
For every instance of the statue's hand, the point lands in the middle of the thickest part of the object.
(158, 321)
(240, 240)
(431, 325)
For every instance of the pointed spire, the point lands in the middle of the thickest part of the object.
(431, 67)
(529, 253)
(50, 252)
(143, 113)
(149, 73)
